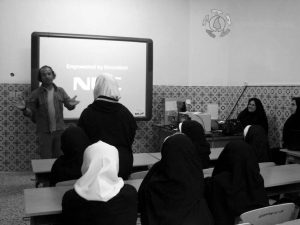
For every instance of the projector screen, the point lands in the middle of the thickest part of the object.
(77, 60)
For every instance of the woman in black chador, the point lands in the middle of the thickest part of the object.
(106, 119)
(67, 167)
(100, 196)
(256, 136)
(236, 185)
(173, 190)
(292, 124)
(195, 132)
(254, 114)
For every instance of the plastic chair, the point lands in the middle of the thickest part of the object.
(270, 215)
(138, 175)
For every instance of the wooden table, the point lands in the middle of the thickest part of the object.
(42, 167)
(291, 156)
(214, 155)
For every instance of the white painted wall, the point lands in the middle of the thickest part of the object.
(164, 21)
(208, 60)
(262, 47)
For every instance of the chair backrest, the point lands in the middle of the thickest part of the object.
(138, 175)
(270, 215)
(266, 164)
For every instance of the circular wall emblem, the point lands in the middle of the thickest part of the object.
(217, 24)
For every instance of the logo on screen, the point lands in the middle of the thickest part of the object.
(86, 85)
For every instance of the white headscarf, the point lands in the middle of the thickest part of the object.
(106, 85)
(100, 167)
(246, 130)
(180, 127)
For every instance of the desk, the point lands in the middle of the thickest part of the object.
(292, 222)
(291, 156)
(42, 167)
(281, 179)
(44, 204)
(143, 159)
(216, 140)
(214, 155)
(277, 179)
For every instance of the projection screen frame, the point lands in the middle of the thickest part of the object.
(35, 61)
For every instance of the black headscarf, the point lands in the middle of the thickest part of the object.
(236, 184)
(172, 192)
(291, 124)
(195, 132)
(258, 117)
(257, 138)
(68, 166)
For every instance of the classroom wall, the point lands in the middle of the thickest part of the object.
(165, 22)
(260, 49)
(18, 140)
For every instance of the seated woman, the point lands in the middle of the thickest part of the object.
(109, 121)
(256, 137)
(236, 185)
(292, 124)
(100, 196)
(254, 114)
(195, 132)
(67, 167)
(173, 190)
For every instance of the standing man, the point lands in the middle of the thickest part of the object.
(45, 108)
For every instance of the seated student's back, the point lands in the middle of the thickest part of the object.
(236, 185)
(291, 129)
(172, 193)
(67, 167)
(196, 133)
(257, 138)
(100, 196)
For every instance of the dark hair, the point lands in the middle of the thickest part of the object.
(259, 106)
(40, 75)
